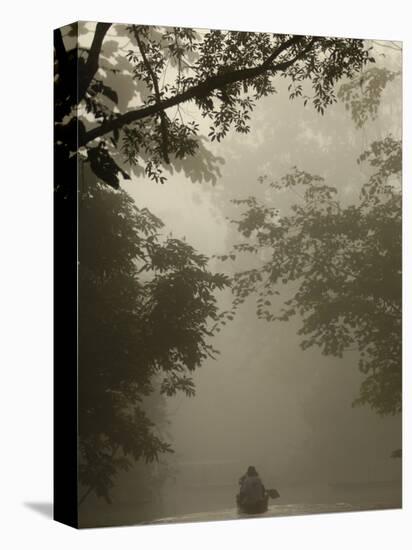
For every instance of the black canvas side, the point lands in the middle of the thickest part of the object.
(65, 287)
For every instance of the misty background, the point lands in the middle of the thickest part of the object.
(264, 401)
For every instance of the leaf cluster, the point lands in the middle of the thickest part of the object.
(146, 305)
(339, 267)
(223, 73)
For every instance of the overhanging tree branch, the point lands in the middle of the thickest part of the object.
(203, 89)
(88, 71)
(61, 54)
(163, 122)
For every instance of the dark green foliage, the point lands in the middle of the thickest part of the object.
(341, 266)
(145, 301)
(104, 166)
(145, 304)
(362, 95)
(223, 73)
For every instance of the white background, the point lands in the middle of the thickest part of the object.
(26, 271)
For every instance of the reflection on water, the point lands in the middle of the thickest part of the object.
(216, 503)
(277, 510)
(311, 499)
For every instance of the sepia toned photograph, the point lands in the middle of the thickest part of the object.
(232, 204)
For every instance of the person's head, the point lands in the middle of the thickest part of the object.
(251, 471)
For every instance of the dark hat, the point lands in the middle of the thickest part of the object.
(251, 471)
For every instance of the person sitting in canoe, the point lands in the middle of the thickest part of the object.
(252, 490)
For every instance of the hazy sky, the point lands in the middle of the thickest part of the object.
(264, 400)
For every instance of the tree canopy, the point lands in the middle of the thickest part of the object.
(340, 265)
(362, 95)
(147, 301)
(223, 73)
(145, 305)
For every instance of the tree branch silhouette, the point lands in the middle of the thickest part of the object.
(87, 72)
(61, 54)
(163, 122)
(203, 89)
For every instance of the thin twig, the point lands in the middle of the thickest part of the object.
(202, 89)
(163, 121)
